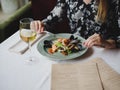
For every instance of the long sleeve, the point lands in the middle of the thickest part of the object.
(118, 37)
(113, 23)
(56, 15)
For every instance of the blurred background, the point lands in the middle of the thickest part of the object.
(11, 11)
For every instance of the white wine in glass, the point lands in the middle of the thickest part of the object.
(27, 34)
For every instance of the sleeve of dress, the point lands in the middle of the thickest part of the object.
(113, 24)
(56, 15)
(118, 36)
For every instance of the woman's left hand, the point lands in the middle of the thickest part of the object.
(94, 40)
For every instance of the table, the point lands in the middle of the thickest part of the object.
(16, 74)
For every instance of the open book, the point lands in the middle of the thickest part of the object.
(91, 75)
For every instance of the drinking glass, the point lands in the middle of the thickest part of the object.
(27, 34)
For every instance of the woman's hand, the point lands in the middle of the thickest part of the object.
(37, 25)
(97, 40)
(94, 40)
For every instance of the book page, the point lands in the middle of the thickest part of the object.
(75, 77)
(110, 78)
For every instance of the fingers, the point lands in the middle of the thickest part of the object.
(40, 26)
(94, 40)
(37, 25)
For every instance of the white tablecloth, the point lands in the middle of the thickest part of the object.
(17, 74)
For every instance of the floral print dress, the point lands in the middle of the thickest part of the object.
(82, 18)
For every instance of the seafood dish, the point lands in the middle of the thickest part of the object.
(65, 46)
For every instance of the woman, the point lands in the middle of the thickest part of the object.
(95, 20)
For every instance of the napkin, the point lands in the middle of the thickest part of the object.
(21, 47)
(75, 77)
(94, 74)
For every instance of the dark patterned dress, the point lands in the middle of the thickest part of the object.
(82, 18)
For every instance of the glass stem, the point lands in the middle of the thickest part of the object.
(30, 55)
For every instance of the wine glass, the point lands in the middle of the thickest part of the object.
(27, 34)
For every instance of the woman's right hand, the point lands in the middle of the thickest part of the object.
(37, 25)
